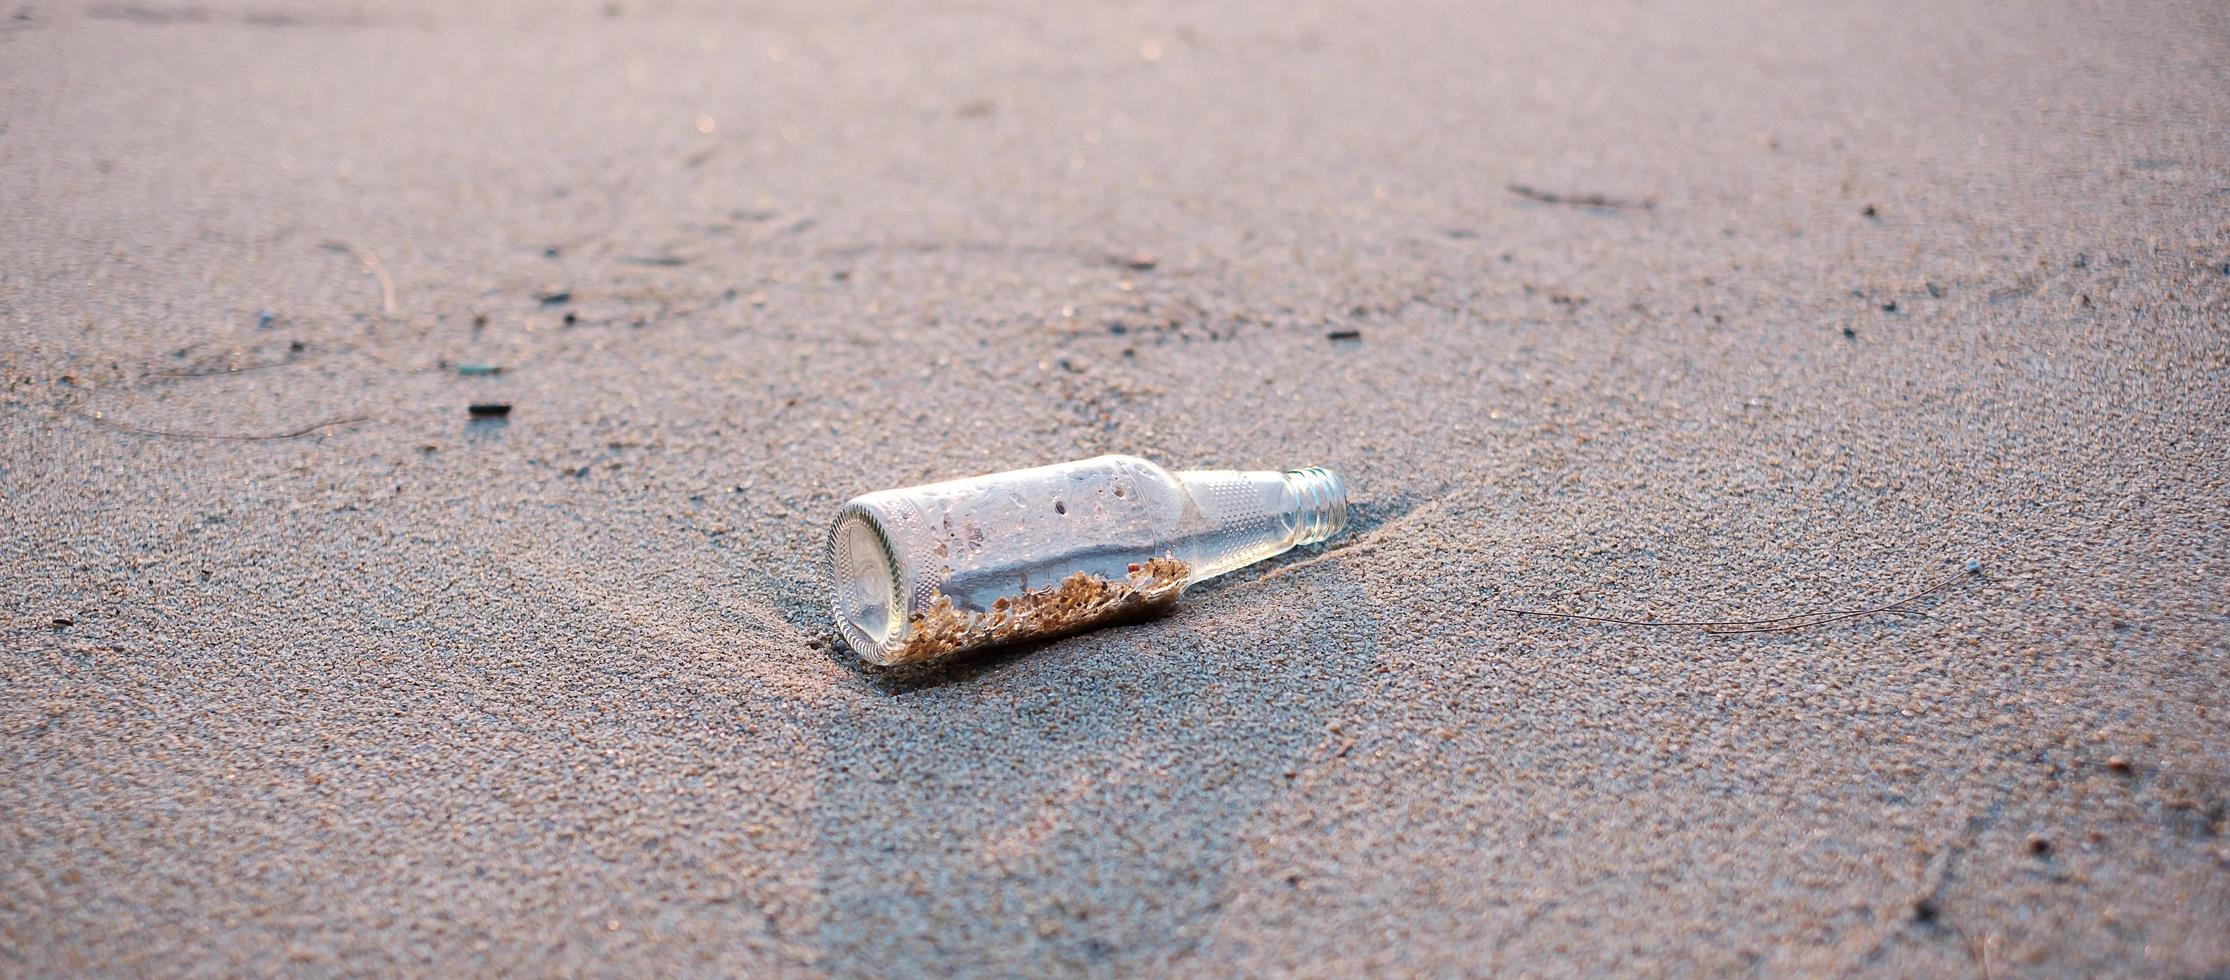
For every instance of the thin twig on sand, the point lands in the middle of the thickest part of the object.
(371, 265)
(226, 436)
(1581, 200)
(221, 372)
(1775, 624)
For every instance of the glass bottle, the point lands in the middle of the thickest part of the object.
(925, 572)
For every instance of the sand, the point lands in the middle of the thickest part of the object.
(1918, 284)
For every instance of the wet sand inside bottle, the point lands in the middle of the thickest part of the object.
(1082, 601)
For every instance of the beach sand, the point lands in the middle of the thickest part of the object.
(1873, 291)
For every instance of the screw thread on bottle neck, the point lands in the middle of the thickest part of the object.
(1322, 499)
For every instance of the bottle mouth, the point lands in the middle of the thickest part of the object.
(870, 607)
(1322, 497)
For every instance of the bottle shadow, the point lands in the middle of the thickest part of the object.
(1083, 803)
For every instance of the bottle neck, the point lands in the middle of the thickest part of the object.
(1238, 517)
(1322, 503)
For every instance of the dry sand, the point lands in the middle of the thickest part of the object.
(1923, 283)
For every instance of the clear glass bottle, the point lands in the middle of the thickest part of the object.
(925, 572)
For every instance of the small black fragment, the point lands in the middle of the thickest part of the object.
(1889, 307)
(1925, 911)
(2082, 260)
(1850, 332)
(571, 318)
(2040, 846)
(1870, 212)
(558, 298)
(1337, 336)
(1935, 291)
(61, 622)
(488, 410)
(550, 253)
(297, 347)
